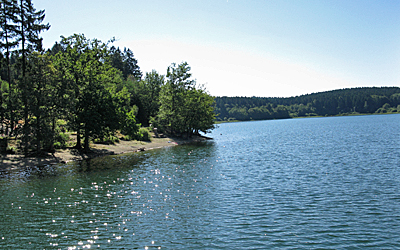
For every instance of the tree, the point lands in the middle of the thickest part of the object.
(4, 91)
(71, 64)
(184, 109)
(8, 41)
(145, 95)
(131, 65)
(96, 108)
(125, 62)
(198, 112)
(172, 97)
(341, 101)
(28, 27)
(115, 58)
(42, 100)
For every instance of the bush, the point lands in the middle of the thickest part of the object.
(61, 140)
(107, 140)
(130, 127)
(126, 138)
(61, 125)
(143, 135)
(11, 150)
(58, 145)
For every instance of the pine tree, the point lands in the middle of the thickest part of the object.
(28, 27)
(125, 62)
(8, 41)
(130, 66)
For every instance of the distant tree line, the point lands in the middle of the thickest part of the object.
(337, 102)
(86, 87)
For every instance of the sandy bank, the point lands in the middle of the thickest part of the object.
(63, 156)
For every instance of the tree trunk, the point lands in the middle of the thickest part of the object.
(86, 146)
(24, 90)
(53, 134)
(78, 139)
(38, 135)
(26, 127)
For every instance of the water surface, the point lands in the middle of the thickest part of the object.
(320, 183)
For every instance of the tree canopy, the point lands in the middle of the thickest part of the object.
(185, 108)
(86, 87)
(336, 102)
(94, 90)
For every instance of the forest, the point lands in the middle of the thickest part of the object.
(352, 101)
(96, 92)
(87, 88)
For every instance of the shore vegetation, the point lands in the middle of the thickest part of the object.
(352, 101)
(84, 90)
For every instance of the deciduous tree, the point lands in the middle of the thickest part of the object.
(96, 109)
(184, 108)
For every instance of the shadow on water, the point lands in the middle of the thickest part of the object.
(111, 162)
(103, 163)
(26, 173)
(88, 165)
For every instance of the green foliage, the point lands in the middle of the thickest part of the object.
(21, 25)
(72, 87)
(145, 95)
(171, 113)
(127, 138)
(4, 87)
(96, 108)
(11, 150)
(185, 109)
(58, 145)
(336, 102)
(143, 135)
(61, 140)
(61, 124)
(386, 108)
(84, 86)
(125, 62)
(41, 102)
(130, 127)
(111, 139)
(198, 112)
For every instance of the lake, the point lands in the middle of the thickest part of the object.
(318, 183)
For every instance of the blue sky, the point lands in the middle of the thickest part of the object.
(247, 48)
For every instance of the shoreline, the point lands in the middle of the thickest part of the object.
(303, 117)
(62, 156)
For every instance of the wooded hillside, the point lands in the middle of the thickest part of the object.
(336, 102)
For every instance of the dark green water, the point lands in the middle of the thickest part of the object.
(321, 183)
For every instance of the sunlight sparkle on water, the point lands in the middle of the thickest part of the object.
(244, 193)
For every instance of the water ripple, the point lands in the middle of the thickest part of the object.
(326, 183)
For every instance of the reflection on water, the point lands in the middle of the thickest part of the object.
(131, 201)
(327, 183)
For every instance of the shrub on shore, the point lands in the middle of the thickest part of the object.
(143, 135)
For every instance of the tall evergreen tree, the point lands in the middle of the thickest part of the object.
(29, 26)
(8, 41)
(131, 66)
(125, 62)
(42, 101)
